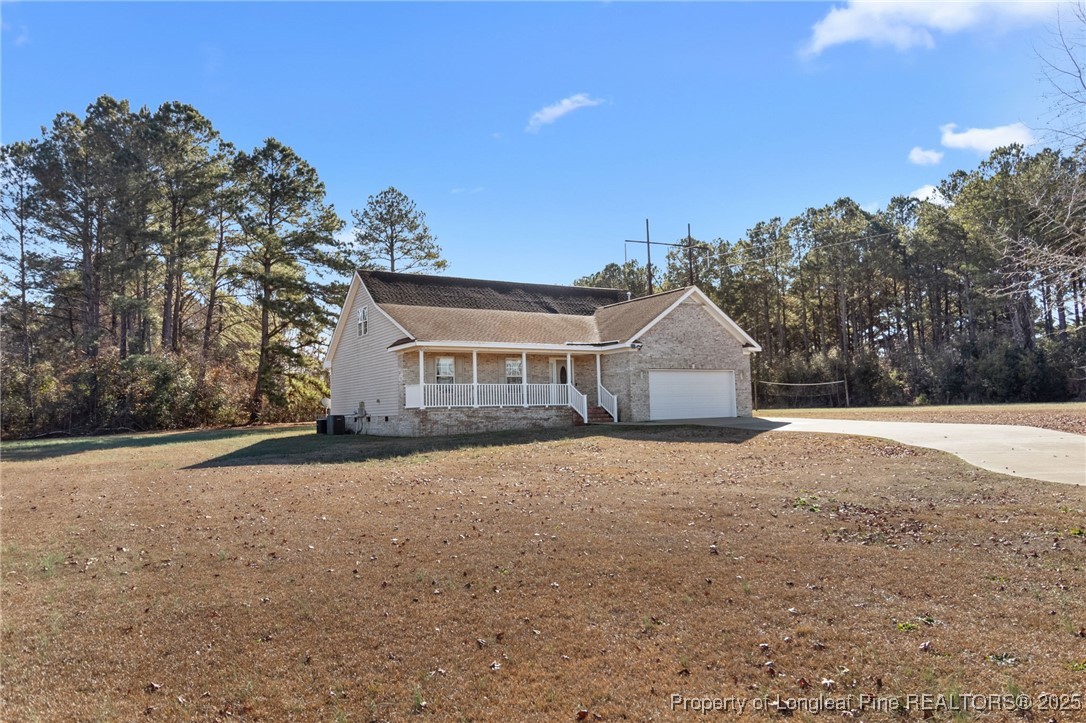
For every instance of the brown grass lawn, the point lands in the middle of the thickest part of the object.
(272, 574)
(1063, 417)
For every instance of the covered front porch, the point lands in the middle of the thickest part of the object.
(444, 378)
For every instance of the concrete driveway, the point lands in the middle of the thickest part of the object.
(1020, 451)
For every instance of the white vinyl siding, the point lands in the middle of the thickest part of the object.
(363, 370)
(691, 394)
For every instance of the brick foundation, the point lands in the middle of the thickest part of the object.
(436, 422)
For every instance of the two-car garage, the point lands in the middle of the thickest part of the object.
(691, 393)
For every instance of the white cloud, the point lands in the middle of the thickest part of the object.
(924, 157)
(903, 24)
(554, 111)
(928, 192)
(21, 33)
(985, 140)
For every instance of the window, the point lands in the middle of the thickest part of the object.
(514, 373)
(445, 369)
(363, 321)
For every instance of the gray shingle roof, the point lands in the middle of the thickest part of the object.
(449, 309)
(430, 323)
(452, 292)
(619, 322)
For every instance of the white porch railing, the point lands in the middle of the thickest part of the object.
(521, 395)
(608, 401)
(496, 395)
(448, 395)
(579, 402)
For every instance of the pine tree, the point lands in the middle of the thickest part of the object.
(288, 233)
(391, 233)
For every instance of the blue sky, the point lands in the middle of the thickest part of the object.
(715, 114)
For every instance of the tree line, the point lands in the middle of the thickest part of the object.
(157, 277)
(976, 294)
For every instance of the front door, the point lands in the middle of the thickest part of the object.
(559, 375)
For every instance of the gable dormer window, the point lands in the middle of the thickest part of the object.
(363, 321)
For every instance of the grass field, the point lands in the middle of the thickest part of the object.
(1063, 417)
(271, 574)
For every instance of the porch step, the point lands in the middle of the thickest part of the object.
(599, 415)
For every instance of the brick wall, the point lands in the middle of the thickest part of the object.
(463, 420)
(616, 377)
(687, 338)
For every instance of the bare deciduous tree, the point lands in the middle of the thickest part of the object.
(1063, 67)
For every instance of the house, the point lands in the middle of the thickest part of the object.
(417, 355)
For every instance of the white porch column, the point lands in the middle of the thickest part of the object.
(474, 378)
(524, 376)
(569, 368)
(599, 375)
(422, 380)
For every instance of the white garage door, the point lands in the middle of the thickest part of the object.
(691, 394)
